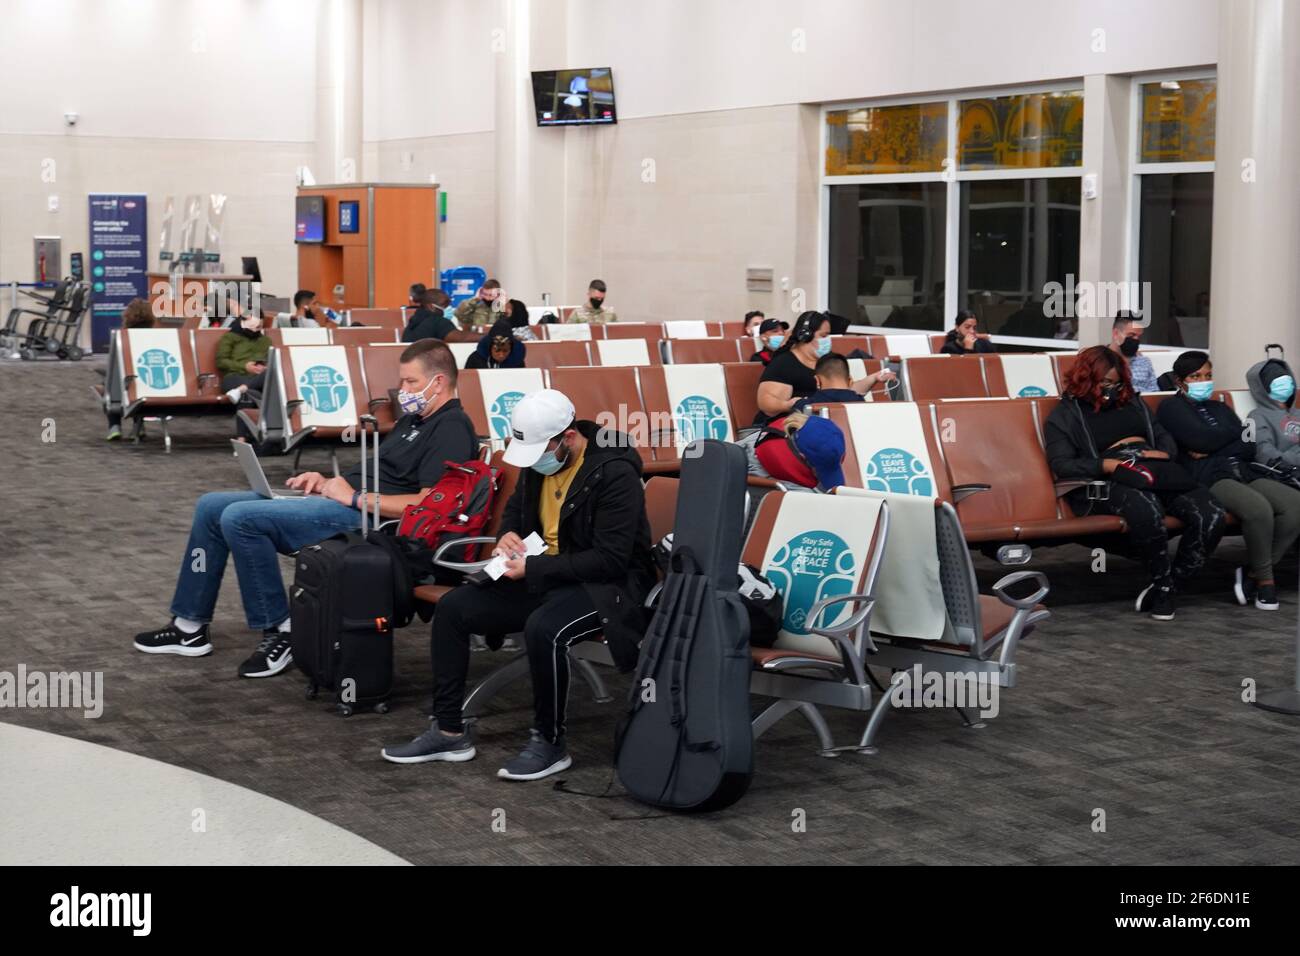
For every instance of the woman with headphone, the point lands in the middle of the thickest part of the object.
(789, 376)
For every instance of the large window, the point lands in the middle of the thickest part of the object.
(886, 254)
(1018, 237)
(1174, 256)
(1174, 202)
(887, 139)
(1024, 131)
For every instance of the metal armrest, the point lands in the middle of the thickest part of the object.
(294, 402)
(960, 492)
(1015, 577)
(1063, 488)
(840, 632)
(653, 595)
(460, 543)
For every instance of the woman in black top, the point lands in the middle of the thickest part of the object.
(1102, 431)
(1212, 449)
(963, 337)
(789, 376)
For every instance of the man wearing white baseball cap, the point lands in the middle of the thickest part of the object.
(580, 491)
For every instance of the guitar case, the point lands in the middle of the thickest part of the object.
(686, 742)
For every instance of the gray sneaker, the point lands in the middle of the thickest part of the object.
(537, 760)
(433, 744)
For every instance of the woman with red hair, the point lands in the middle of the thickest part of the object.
(1102, 433)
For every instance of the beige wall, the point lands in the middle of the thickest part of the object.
(729, 189)
(464, 166)
(258, 178)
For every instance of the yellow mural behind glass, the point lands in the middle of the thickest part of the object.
(1178, 121)
(887, 139)
(1025, 131)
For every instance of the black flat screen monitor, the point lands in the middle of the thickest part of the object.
(309, 219)
(574, 97)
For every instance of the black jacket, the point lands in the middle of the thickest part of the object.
(427, 324)
(604, 538)
(1071, 452)
(1210, 428)
(952, 346)
(482, 354)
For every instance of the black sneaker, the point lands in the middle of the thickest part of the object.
(172, 640)
(433, 744)
(1266, 597)
(1243, 588)
(272, 656)
(537, 760)
(1162, 606)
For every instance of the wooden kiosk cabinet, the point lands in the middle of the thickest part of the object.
(394, 245)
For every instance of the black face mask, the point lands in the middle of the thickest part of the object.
(1109, 394)
(1129, 348)
(596, 303)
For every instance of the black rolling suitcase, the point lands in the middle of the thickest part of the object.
(686, 743)
(349, 593)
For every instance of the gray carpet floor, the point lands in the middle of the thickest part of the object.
(1113, 712)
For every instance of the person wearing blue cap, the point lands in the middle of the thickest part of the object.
(806, 450)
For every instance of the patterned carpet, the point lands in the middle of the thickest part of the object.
(1113, 712)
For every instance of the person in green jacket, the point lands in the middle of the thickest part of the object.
(482, 308)
(241, 358)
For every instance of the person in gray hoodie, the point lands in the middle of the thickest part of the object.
(1277, 425)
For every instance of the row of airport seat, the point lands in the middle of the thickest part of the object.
(986, 457)
(1010, 375)
(867, 579)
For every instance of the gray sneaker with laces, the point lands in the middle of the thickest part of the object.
(433, 744)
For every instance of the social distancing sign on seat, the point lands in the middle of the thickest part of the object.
(623, 352)
(819, 548)
(1028, 376)
(324, 383)
(908, 592)
(907, 345)
(697, 398)
(156, 363)
(686, 329)
(557, 332)
(890, 445)
(292, 336)
(502, 389)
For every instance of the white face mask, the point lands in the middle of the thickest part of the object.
(251, 322)
(414, 403)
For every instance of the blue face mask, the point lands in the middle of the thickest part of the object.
(549, 464)
(774, 341)
(1199, 391)
(823, 346)
(1281, 388)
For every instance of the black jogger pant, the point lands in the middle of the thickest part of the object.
(550, 623)
(1144, 513)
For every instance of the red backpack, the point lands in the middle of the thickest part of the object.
(458, 506)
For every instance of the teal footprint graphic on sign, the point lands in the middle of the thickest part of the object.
(500, 412)
(158, 368)
(323, 388)
(698, 416)
(899, 472)
(1032, 391)
(808, 568)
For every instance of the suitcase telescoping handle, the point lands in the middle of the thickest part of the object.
(367, 423)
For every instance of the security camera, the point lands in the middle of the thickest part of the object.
(71, 117)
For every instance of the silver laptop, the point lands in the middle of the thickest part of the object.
(256, 476)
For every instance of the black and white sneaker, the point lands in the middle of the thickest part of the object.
(1243, 587)
(1266, 597)
(172, 640)
(431, 745)
(272, 656)
(1158, 601)
(537, 760)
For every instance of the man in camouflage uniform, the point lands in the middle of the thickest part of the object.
(593, 310)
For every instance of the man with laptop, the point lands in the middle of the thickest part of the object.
(252, 527)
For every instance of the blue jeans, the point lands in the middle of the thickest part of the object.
(253, 530)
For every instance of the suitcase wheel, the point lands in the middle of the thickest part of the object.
(312, 691)
(381, 707)
(343, 710)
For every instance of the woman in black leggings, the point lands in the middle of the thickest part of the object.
(1091, 436)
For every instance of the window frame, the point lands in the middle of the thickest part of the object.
(951, 175)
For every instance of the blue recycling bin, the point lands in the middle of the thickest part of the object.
(462, 282)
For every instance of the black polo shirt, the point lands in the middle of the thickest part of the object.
(412, 456)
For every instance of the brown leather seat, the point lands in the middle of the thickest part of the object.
(383, 318)
(208, 376)
(742, 391)
(1062, 362)
(550, 355)
(360, 398)
(928, 377)
(202, 391)
(599, 393)
(369, 335)
(660, 506)
(703, 351)
(381, 366)
(652, 332)
(844, 344)
(852, 465)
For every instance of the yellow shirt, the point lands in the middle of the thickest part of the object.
(555, 488)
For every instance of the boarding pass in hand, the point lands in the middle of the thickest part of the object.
(533, 545)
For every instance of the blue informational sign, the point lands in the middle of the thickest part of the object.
(119, 248)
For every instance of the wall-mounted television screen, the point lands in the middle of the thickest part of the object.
(309, 219)
(349, 216)
(574, 97)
